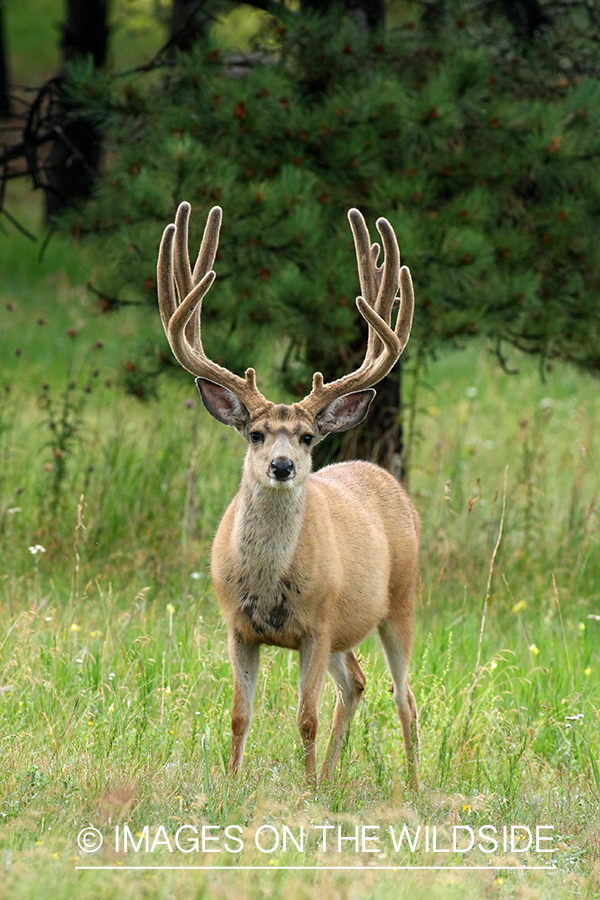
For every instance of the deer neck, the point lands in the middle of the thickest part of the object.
(266, 531)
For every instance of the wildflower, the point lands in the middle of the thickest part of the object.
(534, 649)
(195, 576)
(12, 511)
(581, 626)
(466, 807)
(587, 671)
(519, 606)
(170, 608)
(167, 689)
(471, 392)
(37, 548)
(74, 627)
(493, 664)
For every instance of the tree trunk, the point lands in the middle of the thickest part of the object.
(378, 439)
(5, 109)
(371, 13)
(75, 154)
(188, 23)
(85, 31)
(526, 17)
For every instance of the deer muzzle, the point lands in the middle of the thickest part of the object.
(282, 468)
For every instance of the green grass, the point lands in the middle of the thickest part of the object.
(115, 690)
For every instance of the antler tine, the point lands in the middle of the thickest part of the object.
(167, 301)
(181, 264)
(388, 287)
(366, 268)
(386, 278)
(182, 322)
(181, 254)
(210, 244)
(204, 263)
(379, 285)
(369, 274)
(407, 307)
(192, 360)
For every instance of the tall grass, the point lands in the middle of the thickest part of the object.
(115, 690)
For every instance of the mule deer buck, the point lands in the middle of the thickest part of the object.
(308, 561)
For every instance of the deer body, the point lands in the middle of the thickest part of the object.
(286, 565)
(308, 561)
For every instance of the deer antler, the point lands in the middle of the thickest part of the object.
(181, 312)
(379, 286)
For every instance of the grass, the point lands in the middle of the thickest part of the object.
(115, 690)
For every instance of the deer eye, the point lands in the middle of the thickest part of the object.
(307, 439)
(256, 437)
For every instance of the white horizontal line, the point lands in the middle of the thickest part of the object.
(317, 868)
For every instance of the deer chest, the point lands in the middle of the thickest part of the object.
(269, 613)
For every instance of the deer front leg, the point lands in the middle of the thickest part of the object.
(244, 658)
(314, 656)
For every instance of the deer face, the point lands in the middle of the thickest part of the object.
(281, 437)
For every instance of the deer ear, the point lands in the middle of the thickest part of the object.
(345, 412)
(223, 404)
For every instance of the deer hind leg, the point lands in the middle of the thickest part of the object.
(313, 658)
(244, 658)
(349, 680)
(397, 647)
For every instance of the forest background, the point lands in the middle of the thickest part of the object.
(473, 128)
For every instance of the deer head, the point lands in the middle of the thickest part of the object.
(280, 437)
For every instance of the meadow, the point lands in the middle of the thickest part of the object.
(115, 689)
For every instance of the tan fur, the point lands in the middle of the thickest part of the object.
(321, 562)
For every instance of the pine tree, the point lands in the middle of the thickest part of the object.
(484, 161)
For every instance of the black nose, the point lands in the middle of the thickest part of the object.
(282, 468)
